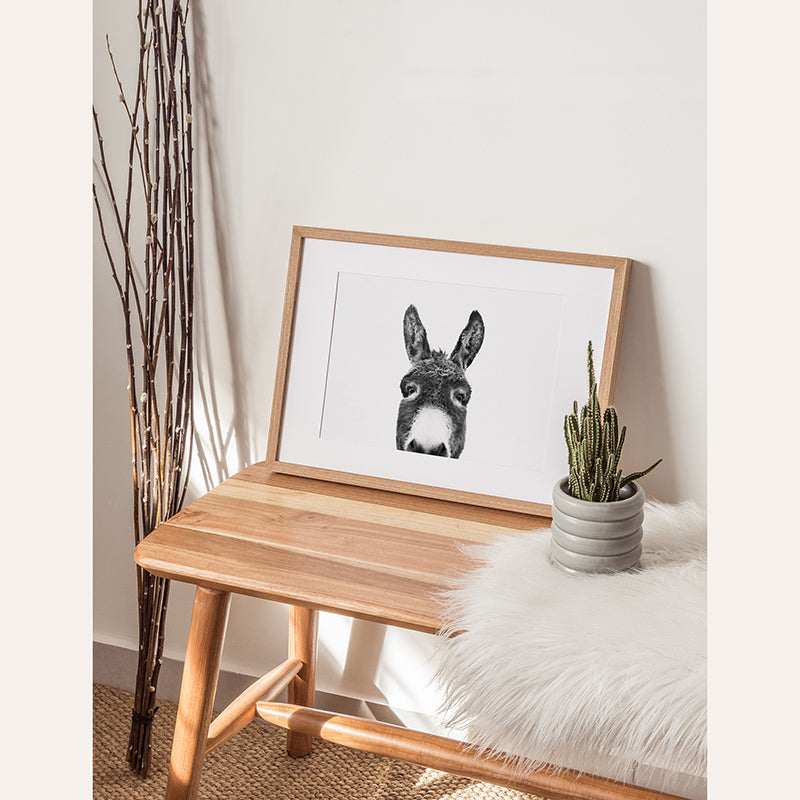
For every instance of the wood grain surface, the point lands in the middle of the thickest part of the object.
(362, 552)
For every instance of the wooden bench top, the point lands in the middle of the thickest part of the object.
(366, 553)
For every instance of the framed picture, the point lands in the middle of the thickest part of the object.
(437, 368)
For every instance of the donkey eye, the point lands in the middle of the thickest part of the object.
(409, 389)
(460, 397)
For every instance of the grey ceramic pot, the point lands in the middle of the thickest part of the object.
(596, 537)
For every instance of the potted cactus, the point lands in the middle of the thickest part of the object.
(597, 513)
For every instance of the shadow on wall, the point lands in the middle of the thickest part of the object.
(214, 452)
(641, 396)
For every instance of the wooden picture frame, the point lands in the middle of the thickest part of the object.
(344, 335)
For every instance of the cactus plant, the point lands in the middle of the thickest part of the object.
(594, 444)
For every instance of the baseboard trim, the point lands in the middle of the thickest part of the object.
(115, 666)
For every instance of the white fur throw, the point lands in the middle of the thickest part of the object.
(599, 673)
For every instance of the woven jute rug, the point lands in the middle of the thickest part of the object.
(253, 765)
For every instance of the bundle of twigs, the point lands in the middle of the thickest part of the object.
(154, 276)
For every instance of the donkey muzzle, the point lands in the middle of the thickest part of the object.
(430, 432)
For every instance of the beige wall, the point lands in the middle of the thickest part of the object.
(570, 126)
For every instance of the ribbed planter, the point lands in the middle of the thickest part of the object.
(596, 537)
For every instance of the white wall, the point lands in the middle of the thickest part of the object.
(569, 126)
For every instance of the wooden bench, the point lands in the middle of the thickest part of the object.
(314, 545)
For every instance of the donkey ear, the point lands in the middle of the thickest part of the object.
(416, 338)
(470, 341)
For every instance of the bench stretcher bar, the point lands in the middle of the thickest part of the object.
(448, 755)
(242, 710)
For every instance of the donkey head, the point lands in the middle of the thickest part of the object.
(432, 417)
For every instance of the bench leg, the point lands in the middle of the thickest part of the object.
(303, 625)
(198, 686)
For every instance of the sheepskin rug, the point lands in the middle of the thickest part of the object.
(600, 673)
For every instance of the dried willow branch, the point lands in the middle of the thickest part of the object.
(156, 291)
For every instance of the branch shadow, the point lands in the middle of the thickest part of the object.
(216, 457)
